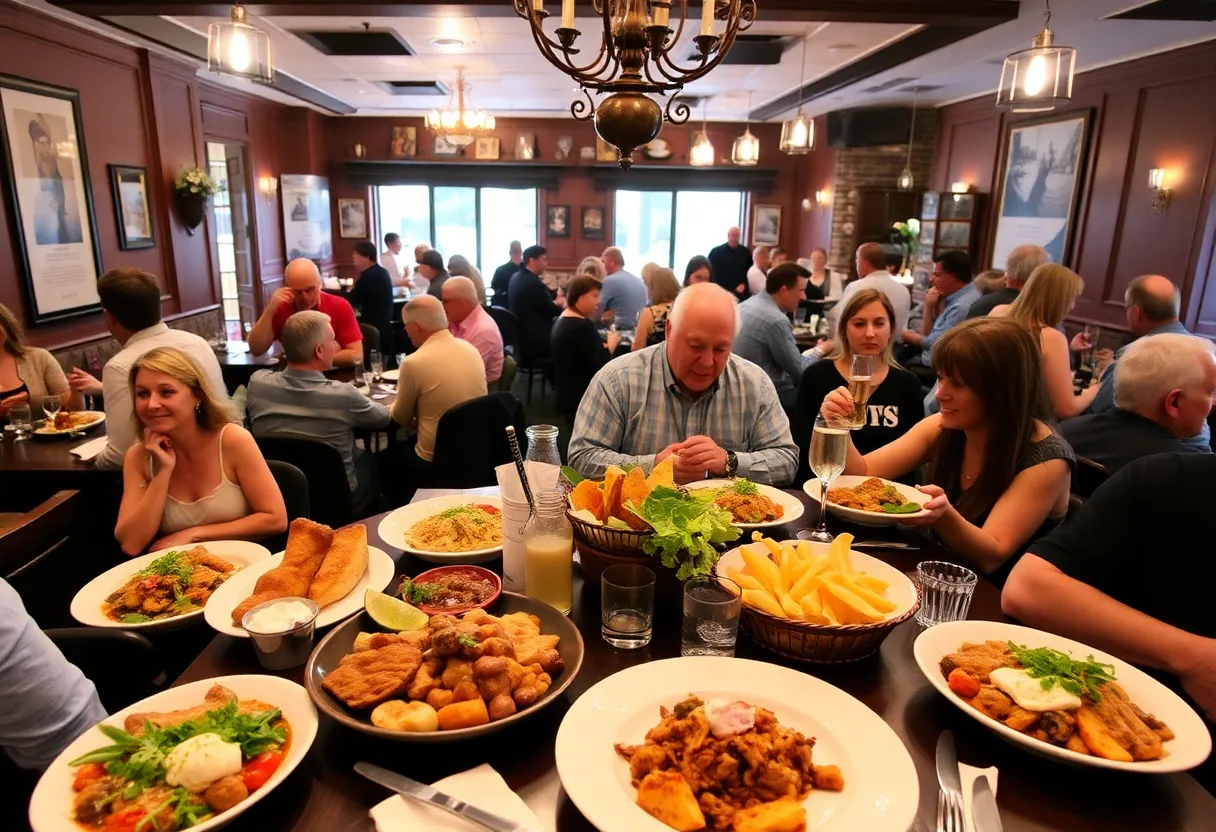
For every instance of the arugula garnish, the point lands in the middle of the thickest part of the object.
(171, 564)
(745, 487)
(416, 593)
(1051, 667)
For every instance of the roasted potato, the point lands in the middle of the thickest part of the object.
(1097, 738)
(411, 717)
(666, 796)
(468, 714)
(784, 815)
(827, 778)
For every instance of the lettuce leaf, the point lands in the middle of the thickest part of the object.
(686, 527)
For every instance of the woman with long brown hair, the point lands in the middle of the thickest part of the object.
(999, 475)
(661, 290)
(29, 374)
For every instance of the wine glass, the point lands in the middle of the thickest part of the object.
(829, 455)
(859, 388)
(1092, 333)
(51, 404)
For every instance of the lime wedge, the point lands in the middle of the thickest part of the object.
(393, 613)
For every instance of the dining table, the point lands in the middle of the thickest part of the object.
(46, 464)
(1033, 792)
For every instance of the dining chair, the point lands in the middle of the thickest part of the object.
(371, 341)
(508, 326)
(293, 485)
(508, 374)
(471, 441)
(329, 496)
(1087, 477)
(124, 666)
(48, 555)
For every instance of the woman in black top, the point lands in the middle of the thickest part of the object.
(896, 402)
(578, 352)
(661, 291)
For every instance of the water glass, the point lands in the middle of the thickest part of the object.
(377, 365)
(626, 605)
(945, 592)
(20, 417)
(711, 617)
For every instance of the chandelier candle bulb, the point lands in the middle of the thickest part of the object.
(567, 14)
(662, 14)
(707, 17)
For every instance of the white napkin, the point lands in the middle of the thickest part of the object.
(88, 451)
(541, 477)
(482, 787)
(967, 775)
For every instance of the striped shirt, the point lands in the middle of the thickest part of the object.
(304, 404)
(634, 409)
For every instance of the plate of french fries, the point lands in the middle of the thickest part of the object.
(820, 584)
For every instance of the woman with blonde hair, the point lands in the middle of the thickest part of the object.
(197, 475)
(594, 267)
(459, 265)
(29, 374)
(1048, 296)
(661, 290)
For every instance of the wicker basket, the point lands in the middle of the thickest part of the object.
(594, 561)
(624, 542)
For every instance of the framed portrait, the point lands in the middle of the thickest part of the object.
(593, 222)
(352, 219)
(1042, 166)
(958, 207)
(404, 143)
(604, 152)
(928, 206)
(557, 220)
(525, 146)
(47, 184)
(130, 185)
(488, 148)
(306, 227)
(766, 225)
(954, 235)
(443, 147)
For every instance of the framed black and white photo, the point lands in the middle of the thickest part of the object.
(47, 180)
(557, 220)
(352, 219)
(130, 184)
(766, 225)
(306, 226)
(443, 147)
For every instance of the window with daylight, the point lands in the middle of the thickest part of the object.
(668, 228)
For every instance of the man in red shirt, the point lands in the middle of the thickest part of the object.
(300, 292)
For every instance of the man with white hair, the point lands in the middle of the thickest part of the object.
(441, 373)
(758, 273)
(1164, 389)
(623, 294)
(1018, 267)
(420, 283)
(301, 403)
(301, 291)
(469, 321)
(689, 398)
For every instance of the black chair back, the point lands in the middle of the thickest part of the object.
(508, 325)
(371, 341)
(329, 498)
(293, 485)
(508, 374)
(471, 441)
(1087, 477)
(124, 666)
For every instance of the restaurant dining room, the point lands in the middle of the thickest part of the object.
(619, 415)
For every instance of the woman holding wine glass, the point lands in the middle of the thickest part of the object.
(998, 473)
(887, 398)
(29, 375)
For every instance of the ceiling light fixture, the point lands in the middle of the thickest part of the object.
(746, 150)
(905, 181)
(634, 61)
(701, 153)
(236, 48)
(1038, 79)
(446, 44)
(798, 134)
(459, 123)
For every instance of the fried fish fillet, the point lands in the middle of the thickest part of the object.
(307, 544)
(217, 697)
(364, 680)
(530, 646)
(342, 568)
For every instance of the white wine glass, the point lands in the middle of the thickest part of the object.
(51, 405)
(859, 388)
(829, 455)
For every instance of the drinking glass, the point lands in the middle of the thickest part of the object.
(1092, 333)
(51, 404)
(626, 605)
(377, 365)
(945, 592)
(829, 455)
(711, 617)
(20, 418)
(859, 388)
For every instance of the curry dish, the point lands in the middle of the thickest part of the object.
(726, 765)
(873, 495)
(746, 504)
(174, 584)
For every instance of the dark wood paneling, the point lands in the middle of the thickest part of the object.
(815, 173)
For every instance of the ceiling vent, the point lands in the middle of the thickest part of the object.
(751, 50)
(357, 43)
(886, 85)
(919, 88)
(1171, 10)
(413, 87)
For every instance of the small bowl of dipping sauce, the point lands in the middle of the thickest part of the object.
(282, 631)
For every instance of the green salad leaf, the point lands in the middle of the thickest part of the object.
(686, 527)
(903, 508)
(573, 477)
(1051, 667)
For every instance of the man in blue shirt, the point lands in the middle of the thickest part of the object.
(766, 335)
(623, 295)
(946, 304)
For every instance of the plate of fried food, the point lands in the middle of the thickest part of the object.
(192, 756)
(457, 528)
(723, 743)
(752, 505)
(70, 423)
(331, 568)
(1062, 699)
(870, 501)
(166, 589)
(452, 678)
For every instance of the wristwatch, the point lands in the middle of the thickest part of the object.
(732, 463)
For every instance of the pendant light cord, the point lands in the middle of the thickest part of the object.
(1047, 22)
(912, 129)
(802, 71)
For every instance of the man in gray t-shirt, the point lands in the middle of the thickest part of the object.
(623, 295)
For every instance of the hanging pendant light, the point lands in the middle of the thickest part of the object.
(905, 181)
(1038, 79)
(460, 123)
(746, 150)
(701, 154)
(236, 48)
(798, 134)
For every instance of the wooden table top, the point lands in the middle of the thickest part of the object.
(325, 795)
(46, 455)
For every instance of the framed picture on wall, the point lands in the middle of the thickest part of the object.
(604, 152)
(488, 148)
(557, 220)
(766, 225)
(443, 147)
(51, 199)
(593, 222)
(1041, 171)
(130, 185)
(306, 228)
(404, 144)
(352, 219)
(525, 146)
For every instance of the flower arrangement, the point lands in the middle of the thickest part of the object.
(196, 182)
(909, 234)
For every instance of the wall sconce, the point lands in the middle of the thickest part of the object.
(1158, 188)
(960, 187)
(268, 185)
(806, 205)
(823, 197)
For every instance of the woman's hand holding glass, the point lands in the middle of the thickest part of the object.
(838, 404)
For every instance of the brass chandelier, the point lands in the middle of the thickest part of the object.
(459, 123)
(634, 61)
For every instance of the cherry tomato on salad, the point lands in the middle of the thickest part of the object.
(123, 821)
(963, 683)
(88, 773)
(260, 769)
(488, 509)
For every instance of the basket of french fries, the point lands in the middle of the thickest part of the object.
(817, 602)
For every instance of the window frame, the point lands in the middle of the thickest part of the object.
(675, 209)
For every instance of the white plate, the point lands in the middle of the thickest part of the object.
(86, 606)
(791, 505)
(901, 591)
(1190, 747)
(881, 788)
(99, 417)
(393, 528)
(867, 518)
(390, 375)
(379, 572)
(51, 803)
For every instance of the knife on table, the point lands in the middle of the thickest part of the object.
(984, 813)
(423, 793)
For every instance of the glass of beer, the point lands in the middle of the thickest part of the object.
(859, 389)
(829, 455)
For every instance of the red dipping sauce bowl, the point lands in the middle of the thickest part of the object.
(474, 573)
